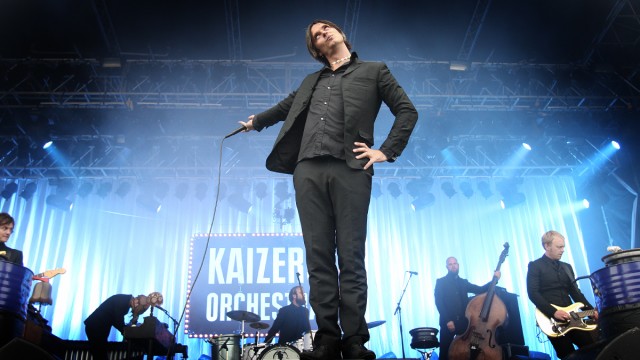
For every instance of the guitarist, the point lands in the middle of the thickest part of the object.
(551, 281)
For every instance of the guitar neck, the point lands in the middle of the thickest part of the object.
(586, 313)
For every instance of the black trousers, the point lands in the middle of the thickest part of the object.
(333, 202)
(98, 341)
(563, 345)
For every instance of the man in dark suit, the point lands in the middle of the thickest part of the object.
(452, 295)
(111, 314)
(326, 143)
(551, 281)
(6, 229)
(292, 320)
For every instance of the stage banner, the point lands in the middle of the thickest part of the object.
(241, 272)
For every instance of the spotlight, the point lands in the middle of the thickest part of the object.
(282, 190)
(458, 66)
(161, 190)
(237, 201)
(261, 190)
(447, 188)
(201, 191)
(615, 145)
(28, 191)
(181, 191)
(419, 186)
(594, 191)
(147, 201)
(85, 189)
(466, 189)
(511, 199)
(485, 189)
(585, 203)
(526, 146)
(511, 196)
(10, 189)
(394, 189)
(423, 201)
(123, 189)
(104, 189)
(47, 144)
(59, 202)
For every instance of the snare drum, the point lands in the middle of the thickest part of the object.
(305, 343)
(226, 347)
(308, 340)
(280, 351)
(252, 351)
(424, 338)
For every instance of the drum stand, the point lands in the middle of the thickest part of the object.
(399, 312)
(426, 355)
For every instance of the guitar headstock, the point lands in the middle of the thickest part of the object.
(54, 272)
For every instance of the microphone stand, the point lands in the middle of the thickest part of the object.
(399, 312)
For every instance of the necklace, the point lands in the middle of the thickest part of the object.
(341, 60)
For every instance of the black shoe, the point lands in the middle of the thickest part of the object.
(322, 352)
(357, 351)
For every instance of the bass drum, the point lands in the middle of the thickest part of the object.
(280, 352)
(252, 351)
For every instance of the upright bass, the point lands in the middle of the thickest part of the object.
(486, 312)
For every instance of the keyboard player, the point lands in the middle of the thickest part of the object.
(109, 314)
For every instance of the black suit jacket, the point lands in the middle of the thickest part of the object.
(10, 255)
(452, 295)
(547, 285)
(365, 85)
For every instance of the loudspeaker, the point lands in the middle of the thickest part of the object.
(22, 349)
(511, 331)
(512, 352)
(624, 347)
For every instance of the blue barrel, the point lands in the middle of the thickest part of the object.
(15, 284)
(617, 290)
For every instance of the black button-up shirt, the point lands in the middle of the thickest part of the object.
(324, 129)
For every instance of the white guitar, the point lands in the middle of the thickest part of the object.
(554, 328)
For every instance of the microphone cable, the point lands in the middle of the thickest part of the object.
(204, 253)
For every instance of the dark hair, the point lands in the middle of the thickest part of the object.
(312, 47)
(6, 219)
(292, 292)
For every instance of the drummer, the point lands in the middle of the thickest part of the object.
(292, 320)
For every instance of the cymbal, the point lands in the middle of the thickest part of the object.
(241, 315)
(373, 324)
(259, 325)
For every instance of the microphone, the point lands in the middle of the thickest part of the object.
(413, 272)
(240, 129)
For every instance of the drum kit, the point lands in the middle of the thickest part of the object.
(231, 347)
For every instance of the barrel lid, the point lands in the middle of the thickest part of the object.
(620, 257)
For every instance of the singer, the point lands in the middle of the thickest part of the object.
(451, 295)
(326, 142)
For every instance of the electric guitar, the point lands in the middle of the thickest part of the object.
(554, 328)
(49, 274)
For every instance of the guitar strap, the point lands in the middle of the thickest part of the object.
(571, 278)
